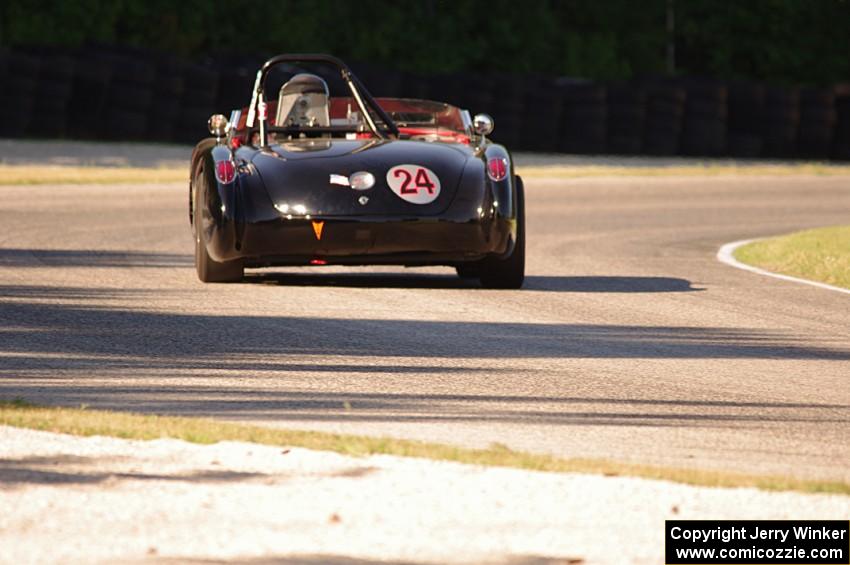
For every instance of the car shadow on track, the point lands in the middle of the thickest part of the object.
(544, 283)
(609, 284)
(19, 257)
(361, 280)
(15, 257)
(87, 351)
(38, 329)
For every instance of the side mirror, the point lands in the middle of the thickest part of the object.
(218, 125)
(482, 124)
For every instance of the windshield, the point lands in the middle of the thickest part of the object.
(408, 112)
(416, 119)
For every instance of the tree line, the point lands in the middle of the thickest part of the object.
(780, 41)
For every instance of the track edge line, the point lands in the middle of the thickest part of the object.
(726, 255)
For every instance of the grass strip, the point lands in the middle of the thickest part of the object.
(590, 171)
(88, 422)
(30, 175)
(821, 254)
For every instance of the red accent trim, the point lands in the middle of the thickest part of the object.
(225, 171)
(497, 168)
(445, 135)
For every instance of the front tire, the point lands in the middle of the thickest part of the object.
(508, 272)
(209, 271)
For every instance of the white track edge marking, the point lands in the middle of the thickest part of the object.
(726, 255)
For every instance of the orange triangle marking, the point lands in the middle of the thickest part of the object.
(317, 229)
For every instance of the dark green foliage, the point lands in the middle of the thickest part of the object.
(792, 41)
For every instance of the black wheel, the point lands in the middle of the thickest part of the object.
(209, 271)
(508, 272)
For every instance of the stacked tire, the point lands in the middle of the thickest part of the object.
(432, 87)
(235, 91)
(542, 121)
(105, 92)
(781, 118)
(197, 104)
(168, 89)
(704, 124)
(508, 109)
(415, 86)
(479, 94)
(584, 118)
(18, 93)
(129, 99)
(665, 107)
(87, 106)
(626, 117)
(52, 96)
(817, 123)
(381, 83)
(452, 88)
(746, 119)
(841, 142)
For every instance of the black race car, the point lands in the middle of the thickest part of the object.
(315, 171)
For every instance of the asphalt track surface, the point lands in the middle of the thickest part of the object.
(630, 341)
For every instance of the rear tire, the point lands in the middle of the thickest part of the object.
(209, 271)
(508, 272)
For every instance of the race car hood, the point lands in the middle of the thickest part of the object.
(303, 177)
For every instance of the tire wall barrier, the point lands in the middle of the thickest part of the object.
(113, 93)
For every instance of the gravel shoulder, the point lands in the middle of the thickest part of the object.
(104, 499)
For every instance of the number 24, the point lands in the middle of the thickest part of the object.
(422, 180)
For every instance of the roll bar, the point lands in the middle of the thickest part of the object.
(361, 96)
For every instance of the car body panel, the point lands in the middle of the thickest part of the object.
(299, 177)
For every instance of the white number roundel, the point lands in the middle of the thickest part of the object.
(414, 183)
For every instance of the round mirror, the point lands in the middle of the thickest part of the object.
(218, 125)
(482, 124)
